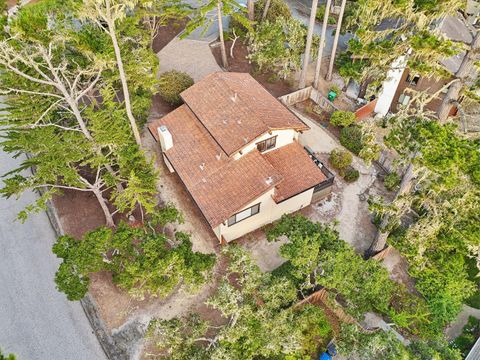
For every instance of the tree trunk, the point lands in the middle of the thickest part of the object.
(220, 31)
(123, 79)
(265, 10)
(465, 70)
(380, 241)
(251, 10)
(335, 40)
(363, 89)
(321, 46)
(103, 204)
(308, 46)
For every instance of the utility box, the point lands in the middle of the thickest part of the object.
(331, 95)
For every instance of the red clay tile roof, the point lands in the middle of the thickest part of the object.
(235, 185)
(193, 147)
(236, 109)
(219, 184)
(299, 172)
(224, 185)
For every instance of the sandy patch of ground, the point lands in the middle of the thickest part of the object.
(266, 254)
(345, 204)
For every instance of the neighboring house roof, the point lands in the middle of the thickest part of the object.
(455, 29)
(290, 161)
(474, 353)
(219, 184)
(236, 109)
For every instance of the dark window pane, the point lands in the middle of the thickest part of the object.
(261, 146)
(255, 209)
(231, 220)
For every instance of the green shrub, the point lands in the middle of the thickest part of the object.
(351, 175)
(278, 8)
(342, 118)
(321, 14)
(351, 138)
(335, 89)
(340, 159)
(172, 83)
(391, 181)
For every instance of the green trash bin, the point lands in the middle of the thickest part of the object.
(332, 95)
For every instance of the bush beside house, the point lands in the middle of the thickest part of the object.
(172, 83)
(342, 118)
(351, 175)
(340, 160)
(351, 138)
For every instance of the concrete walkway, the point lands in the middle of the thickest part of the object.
(456, 327)
(37, 322)
(191, 56)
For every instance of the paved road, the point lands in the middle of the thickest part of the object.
(301, 11)
(36, 321)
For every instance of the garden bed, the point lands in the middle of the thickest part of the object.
(240, 63)
(167, 32)
(321, 117)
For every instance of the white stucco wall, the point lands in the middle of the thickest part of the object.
(269, 212)
(284, 137)
(390, 85)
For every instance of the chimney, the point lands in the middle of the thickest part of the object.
(166, 141)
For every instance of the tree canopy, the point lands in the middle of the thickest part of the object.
(63, 108)
(258, 319)
(141, 260)
(436, 223)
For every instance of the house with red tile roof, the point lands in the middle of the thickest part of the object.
(235, 148)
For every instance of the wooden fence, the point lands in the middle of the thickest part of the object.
(382, 254)
(308, 93)
(296, 96)
(366, 110)
(320, 297)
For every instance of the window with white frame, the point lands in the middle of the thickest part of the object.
(244, 214)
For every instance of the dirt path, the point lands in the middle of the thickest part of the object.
(355, 226)
(346, 206)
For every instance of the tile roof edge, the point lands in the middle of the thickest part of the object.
(243, 205)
